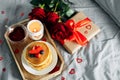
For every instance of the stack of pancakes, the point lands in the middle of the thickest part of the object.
(35, 62)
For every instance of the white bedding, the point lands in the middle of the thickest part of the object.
(98, 60)
(112, 7)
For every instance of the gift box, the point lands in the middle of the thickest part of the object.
(87, 30)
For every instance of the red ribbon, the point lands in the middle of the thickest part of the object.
(77, 36)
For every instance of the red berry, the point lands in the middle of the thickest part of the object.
(35, 50)
(38, 55)
(32, 55)
(42, 52)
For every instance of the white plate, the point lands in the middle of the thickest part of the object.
(45, 70)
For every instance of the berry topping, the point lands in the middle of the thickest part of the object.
(37, 55)
(42, 52)
(35, 50)
(31, 55)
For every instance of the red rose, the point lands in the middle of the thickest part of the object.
(60, 32)
(52, 17)
(38, 13)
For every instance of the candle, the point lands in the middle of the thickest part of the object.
(35, 29)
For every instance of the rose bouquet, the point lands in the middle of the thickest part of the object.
(57, 6)
(73, 33)
(52, 13)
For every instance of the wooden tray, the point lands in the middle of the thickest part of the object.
(16, 50)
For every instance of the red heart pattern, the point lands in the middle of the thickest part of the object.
(4, 69)
(16, 51)
(86, 32)
(22, 14)
(1, 58)
(2, 12)
(79, 60)
(72, 71)
(62, 78)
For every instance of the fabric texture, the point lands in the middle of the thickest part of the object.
(98, 60)
(112, 8)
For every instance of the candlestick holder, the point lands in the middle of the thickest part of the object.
(35, 29)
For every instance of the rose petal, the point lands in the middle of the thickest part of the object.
(6, 19)
(16, 51)
(62, 78)
(1, 58)
(38, 13)
(72, 71)
(22, 14)
(79, 60)
(55, 69)
(4, 69)
(2, 12)
(1, 41)
(44, 39)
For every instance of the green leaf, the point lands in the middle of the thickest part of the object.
(51, 5)
(69, 12)
(41, 5)
(58, 6)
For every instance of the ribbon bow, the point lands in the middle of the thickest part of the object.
(77, 36)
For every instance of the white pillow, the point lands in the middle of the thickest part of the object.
(112, 7)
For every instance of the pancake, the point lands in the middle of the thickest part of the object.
(35, 62)
(48, 62)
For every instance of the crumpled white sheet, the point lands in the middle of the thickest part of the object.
(98, 60)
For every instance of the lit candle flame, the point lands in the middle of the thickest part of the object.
(35, 30)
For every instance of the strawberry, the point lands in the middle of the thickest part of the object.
(35, 50)
(37, 55)
(35, 47)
